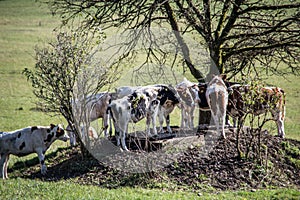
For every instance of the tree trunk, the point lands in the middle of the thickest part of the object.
(204, 117)
(84, 151)
(184, 47)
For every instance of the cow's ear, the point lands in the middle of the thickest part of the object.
(223, 76)
(52, 126)
(58, 129)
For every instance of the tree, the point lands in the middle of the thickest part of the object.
(241, 36)
(60, 75)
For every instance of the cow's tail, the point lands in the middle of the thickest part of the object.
(282, 106)
(110, 115)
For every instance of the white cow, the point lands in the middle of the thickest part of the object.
(188, 92)
(217, 99)
(35, 139)
(96, 107)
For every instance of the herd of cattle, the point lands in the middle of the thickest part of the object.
(132, 104)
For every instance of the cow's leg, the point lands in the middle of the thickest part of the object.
(6, 166)
(153, 118)
(227, 121)
(2, 164)
(168, 124)
(123, 128)
(148, 121)
(71, 135)
(117, 134)
(109, 120)
(280, 127)
(223, 125)
(234, 119)
(215, 111)
(186, 118)
(223, 106)
(105, 125)
(182, 124)
(277, 115)
(110, 125)
(123, 137)
(161, 122)
(192, 117)
(41, 156)
(72, 139)
(216, 121)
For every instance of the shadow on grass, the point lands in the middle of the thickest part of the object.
(68, 164)
(61, 164)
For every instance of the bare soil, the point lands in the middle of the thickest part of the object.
(275, 164)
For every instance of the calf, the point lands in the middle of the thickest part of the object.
(217, 99)
(96, 107)
(26, 141)
(132, 108)
(265, 99)
(188, 92)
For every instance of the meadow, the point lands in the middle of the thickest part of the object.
(25, 24)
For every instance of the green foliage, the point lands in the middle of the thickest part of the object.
(292, 153)
(55, 72)
(291, 149)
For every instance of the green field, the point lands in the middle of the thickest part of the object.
(25, 24)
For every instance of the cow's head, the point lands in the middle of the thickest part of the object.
(139, 104)
(185, 95)
(168, 94)
(57, 132)
(201, 94)
(218, 80)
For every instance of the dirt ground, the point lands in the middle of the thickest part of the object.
(276, 163)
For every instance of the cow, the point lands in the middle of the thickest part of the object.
(203, 104)
(132, 108)
(264, 99)
(188, 92)
(35, 139)
(125, 91)
(217, 99)
(168, 99)
(96, 107)
(166, 94)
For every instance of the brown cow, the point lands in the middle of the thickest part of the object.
(265, 99)
(217, 99)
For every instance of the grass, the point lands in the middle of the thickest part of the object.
(33, 189)
(23, 25)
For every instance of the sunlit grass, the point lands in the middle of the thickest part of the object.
(35, 189)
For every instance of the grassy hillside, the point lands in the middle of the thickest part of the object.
(23, 25)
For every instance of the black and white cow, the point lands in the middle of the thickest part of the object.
(168, 99)
(132, 108)
(35, 139)
(167, 95)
